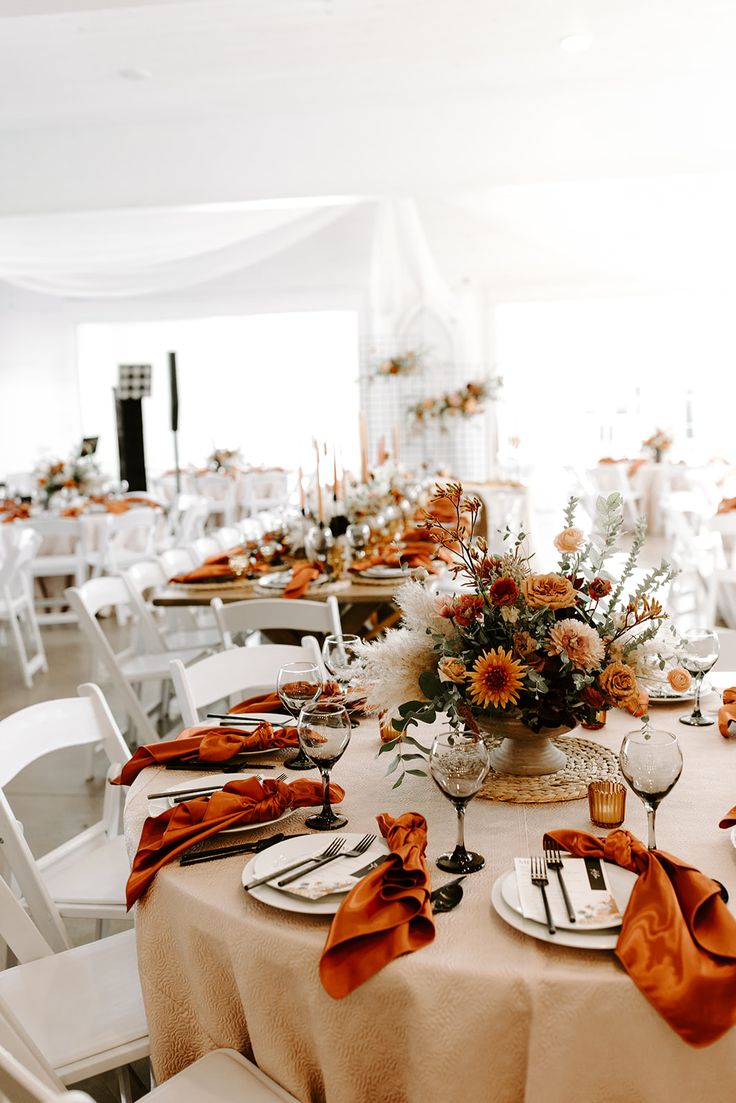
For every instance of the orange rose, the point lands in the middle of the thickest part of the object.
(569, 540)
(679, 679)
(451, 670)
(548, 591)
(619, 685)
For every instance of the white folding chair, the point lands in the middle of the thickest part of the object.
(62, 555)
(242, 671)
(81, 1010)
(175, 561)
(126, 669)
(203, 548)
(188, 518)
(227, 537)
(262, 614)
(85, 876)
(222, 1076)
(219, 491)
(127, 537)
(141, 579)
(727, 654)
(16, 601)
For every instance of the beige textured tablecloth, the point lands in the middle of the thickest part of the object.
(483, 1015)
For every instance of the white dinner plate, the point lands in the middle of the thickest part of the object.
(283, 854)
(732, 833)
(221, 779)
(622, 882)
(385, 572)
(280, 581)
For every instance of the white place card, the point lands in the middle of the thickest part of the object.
(587, 885)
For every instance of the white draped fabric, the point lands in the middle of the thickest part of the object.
(122, 254)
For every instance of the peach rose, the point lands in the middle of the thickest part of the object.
(569, 540)
(679, 679)
(451, 670)
(619, 685)
(548, 591)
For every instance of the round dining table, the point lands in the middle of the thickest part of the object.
(485, 1013)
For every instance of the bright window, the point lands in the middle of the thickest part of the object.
(266, 384)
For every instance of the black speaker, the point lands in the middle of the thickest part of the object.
(129, 414)
(174, 389)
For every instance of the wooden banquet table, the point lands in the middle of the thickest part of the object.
(485, 1014)
(357, 600)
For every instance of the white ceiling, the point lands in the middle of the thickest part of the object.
(264, 98)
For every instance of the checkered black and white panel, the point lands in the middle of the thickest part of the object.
(134, 380)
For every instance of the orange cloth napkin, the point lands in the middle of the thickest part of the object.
(302, 577)
(727, 505)
(240, 802)
(16, 513)
(208, 744)
(727, 711)
(264, 702)
(222, 557)
(678, 938)
(207, 572)
(387, 914)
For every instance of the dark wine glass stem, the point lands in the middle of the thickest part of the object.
(697, 714)
(651, 817)
(327, 810)
(460, 843)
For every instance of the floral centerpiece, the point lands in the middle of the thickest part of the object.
(658, 443)
(519, 654)
(78, 474)
(464, 402)
(224, 459)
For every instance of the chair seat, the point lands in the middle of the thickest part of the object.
(155, 666)
(220, 1077)
(89, 874)
(81, 1004)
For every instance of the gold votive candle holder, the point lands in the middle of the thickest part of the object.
(607, 803)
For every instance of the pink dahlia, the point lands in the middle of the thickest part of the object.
(582, 644)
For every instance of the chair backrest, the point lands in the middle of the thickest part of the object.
(227, 537)
(137, 525)
(140, 578)
(242, 670)
(189, 518)
(204, 547)
(87, 601)
(38, 730)
(175, 561)
(262, 614)
(19, 552)
(727, 654)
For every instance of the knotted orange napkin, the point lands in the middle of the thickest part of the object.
(214, 745)
(271, 702)
(678, 938)
(302, 577)
(250, 801)
(222, 558)
(727, 505)
(727, 712)
(207, 572)
(387, 914)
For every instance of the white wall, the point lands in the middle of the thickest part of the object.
(39, 393)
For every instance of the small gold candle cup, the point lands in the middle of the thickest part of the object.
(607, 803)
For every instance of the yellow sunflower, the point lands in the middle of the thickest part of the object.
(495, 679)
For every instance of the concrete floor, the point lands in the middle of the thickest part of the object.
(51, 798)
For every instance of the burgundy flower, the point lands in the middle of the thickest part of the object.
(504, 591)
(598, 588)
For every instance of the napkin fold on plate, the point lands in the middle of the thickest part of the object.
(727, 712)
(252, 800)
(678, 938)
(302, 577)
(387, 914)
(271, 702)
(215, 745)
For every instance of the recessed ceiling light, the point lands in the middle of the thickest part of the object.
(134, 73)
(576, 43)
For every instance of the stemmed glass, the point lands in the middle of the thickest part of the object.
(324, 733)
(298, 684)
(342, 658)
(698, 654)
(358, 536)
(651, 762)
(459, 763)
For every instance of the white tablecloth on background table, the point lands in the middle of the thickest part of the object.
(483, 1015)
